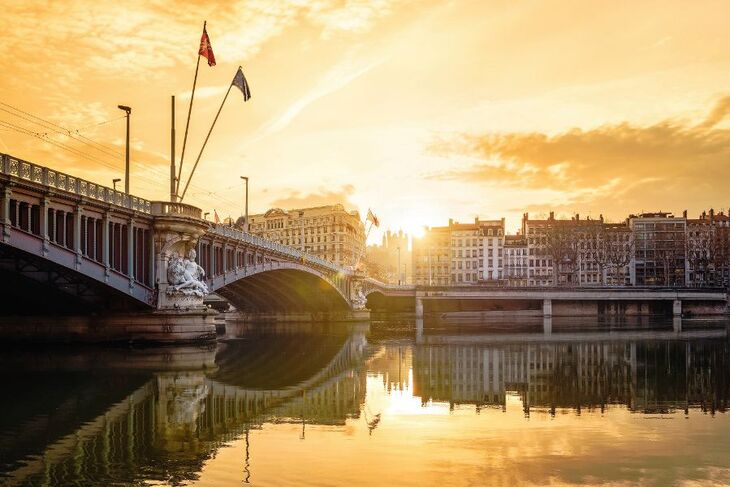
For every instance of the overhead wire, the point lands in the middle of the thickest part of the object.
(75, 135)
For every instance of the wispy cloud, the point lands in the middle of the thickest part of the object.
(349, 69)
(657, 163)
(297, 199)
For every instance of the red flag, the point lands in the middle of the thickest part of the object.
(372, 218)
(206, 50)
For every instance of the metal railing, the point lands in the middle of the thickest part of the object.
(234, 233)
(163, 208)
(64, 182)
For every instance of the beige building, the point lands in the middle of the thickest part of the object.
(515, 260)
(329, 232)
(432, 257)
(391, 261)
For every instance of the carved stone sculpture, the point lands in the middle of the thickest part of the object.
(185, 276)
(359, 300)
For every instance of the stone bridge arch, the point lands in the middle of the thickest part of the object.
(283, 287)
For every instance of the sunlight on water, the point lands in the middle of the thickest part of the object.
(326, 406)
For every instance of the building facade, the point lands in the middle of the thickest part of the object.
(649, 249)
(329, 232)
(391, 261)
(660, 250)
(431, 257)
(708, 250)
(515, 260)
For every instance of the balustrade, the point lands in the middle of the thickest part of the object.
(166, 208)
(71, 184)
(266, 244)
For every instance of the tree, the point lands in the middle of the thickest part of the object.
(561, 244)
(700, 251)
(619, 249)
(721, 255)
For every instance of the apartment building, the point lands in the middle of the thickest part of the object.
(708, 249)
(467, 252)
(329, 232)
(660, 250)
(515, 260)
(431, 257)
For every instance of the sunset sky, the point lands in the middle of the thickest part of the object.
(421, 110)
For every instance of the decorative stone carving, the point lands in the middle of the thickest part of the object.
(358, 299)
(185, 276)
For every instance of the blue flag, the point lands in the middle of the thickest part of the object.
(240, 82)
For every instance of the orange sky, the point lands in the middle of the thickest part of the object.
(421, 110)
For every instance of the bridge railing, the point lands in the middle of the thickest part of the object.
(234, 233)
(64, 182)
(162, 208)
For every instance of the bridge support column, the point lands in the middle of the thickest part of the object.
(677, 324)
(547, 325)
(105, 243)
(547, 307)
(77, 236)
(419, 307)
(5, 194)
(43, 221)
(677, 307)
(130, 252)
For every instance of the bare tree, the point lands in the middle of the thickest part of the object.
(721, 255)
(561, 245)
(619, 246)
(700, 251)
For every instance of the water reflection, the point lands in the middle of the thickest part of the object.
(85, 416)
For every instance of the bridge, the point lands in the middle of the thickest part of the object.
(88, 248)
(545, 301)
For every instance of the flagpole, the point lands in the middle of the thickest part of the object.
(204, 143)
(187, 123)
(173, 189)
(367, 234)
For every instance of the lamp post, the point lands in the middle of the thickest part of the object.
(398, 268)
(245, 228)
(405, 273)
(205, 215)
(126, 110)
(114, 182)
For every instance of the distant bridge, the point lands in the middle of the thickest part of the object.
(547, 301)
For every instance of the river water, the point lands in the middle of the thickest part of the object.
(574, 403)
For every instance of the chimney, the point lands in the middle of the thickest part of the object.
(712, 214)
(552, 215)
(476, 220)
(684, 214)
(451, 222)
(577, 216)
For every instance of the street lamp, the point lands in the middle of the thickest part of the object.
(114, 182)
(245, 228)
(126, 110)
(205, 215)
(398, 268)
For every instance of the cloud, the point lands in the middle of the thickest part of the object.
(637, 165)
(336, 78)
(718, 114)
(296, 199)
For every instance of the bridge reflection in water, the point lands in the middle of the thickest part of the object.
(103, 416)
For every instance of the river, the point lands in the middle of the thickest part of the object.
(499, 403)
